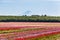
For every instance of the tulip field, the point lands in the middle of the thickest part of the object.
(29, 31)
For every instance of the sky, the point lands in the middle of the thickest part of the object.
(30, 7)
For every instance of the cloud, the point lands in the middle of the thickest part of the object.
(53, 0)
(7, 1)
(48, 0)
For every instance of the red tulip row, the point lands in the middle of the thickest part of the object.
(21, 34)
(41, 35)
(9, 35)
(17, 27)
(28, 34)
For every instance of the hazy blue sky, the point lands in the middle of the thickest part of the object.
(30, 7)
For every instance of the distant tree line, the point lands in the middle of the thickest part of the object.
(36, 15)
(33, 18)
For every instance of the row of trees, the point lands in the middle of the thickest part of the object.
(33, 18)
(36, 15)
